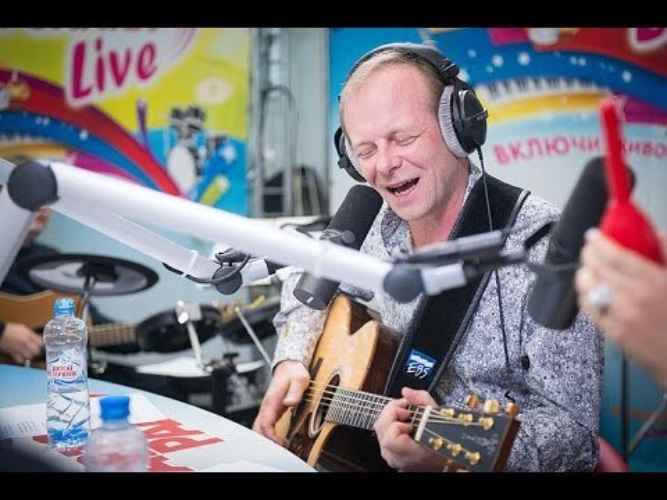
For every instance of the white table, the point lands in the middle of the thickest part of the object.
(188, 439)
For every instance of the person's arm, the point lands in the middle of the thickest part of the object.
(636, 319)
(299, 328)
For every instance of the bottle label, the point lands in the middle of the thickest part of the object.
(65, 368)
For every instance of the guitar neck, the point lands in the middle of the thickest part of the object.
(356, 408)
(469, 440)
(111, 334)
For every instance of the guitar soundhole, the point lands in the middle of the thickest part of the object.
(324, 397)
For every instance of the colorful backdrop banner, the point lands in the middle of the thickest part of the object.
(162, 107)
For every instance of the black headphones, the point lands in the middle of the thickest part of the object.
(462, 116)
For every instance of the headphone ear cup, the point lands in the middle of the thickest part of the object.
(462, 119)
(471, 124)
(346, 161)
(447, 119)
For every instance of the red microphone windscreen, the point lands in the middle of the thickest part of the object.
(623, 220)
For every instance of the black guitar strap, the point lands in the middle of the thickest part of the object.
(441, 320)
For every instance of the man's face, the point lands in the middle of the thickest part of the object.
(394, 133)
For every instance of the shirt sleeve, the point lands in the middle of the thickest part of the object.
(298, 327)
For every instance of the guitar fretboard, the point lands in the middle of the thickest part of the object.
(358, 409)
(111, 334)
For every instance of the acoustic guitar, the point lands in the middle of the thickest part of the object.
(330, 426)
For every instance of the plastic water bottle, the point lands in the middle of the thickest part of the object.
(67, 404)
(118, 445)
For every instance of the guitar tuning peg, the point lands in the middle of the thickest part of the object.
(512, 409)
(491, 406)
(472, 401)
(436, 443)
(446, 412)
(472, 457)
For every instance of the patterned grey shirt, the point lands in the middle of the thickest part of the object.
(554, 376)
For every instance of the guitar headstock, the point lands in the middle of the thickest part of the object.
(477, 438)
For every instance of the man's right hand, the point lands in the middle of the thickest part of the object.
(20, 343)
(289, 382)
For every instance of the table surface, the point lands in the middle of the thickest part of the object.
(190, 439)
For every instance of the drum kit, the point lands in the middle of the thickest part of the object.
(171, 332)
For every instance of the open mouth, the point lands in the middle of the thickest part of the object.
(403, 187)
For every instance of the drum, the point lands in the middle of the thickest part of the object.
(260, 319)
(163, 333)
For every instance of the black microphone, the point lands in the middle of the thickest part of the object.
(553, 300)
(349, 228)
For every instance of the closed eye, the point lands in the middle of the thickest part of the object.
(406, 141)
(365, 153)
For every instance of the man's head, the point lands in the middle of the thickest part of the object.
(398, 109)
(462, 116)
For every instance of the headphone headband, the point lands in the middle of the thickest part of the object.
(443, 66)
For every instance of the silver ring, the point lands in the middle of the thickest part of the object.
(27, 362)
(600, 297)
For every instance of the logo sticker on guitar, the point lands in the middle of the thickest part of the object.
(419, 365)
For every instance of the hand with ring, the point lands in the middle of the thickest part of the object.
(625, 294)
(600, 297)
(20, 343)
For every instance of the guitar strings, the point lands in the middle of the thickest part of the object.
(349, 400)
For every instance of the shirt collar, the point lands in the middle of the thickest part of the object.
(394, 230)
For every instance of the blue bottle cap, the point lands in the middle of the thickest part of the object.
(115, 407)
(64, 305)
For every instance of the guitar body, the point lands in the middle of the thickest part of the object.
(33, 310)
(354, 352)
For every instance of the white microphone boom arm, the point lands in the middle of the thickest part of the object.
(79, 194)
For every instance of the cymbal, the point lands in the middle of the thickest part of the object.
(71, 272)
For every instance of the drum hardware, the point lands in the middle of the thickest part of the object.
(87, 275)
(259, 314)
(185, 314)
(232, 389)
(650, 422)
(227, 387)
(253, 335)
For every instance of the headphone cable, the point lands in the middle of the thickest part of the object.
(495, 272)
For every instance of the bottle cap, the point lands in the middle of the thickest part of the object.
(115, 407)
(64, 305)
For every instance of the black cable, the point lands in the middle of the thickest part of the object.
(495, 272)
(214, 281)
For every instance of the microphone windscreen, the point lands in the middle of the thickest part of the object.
(582, 211)
(553, 299)
(355, 215)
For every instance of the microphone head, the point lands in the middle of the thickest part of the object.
(583, 210)
(357, 213)
(355, 216)
(553, 300)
